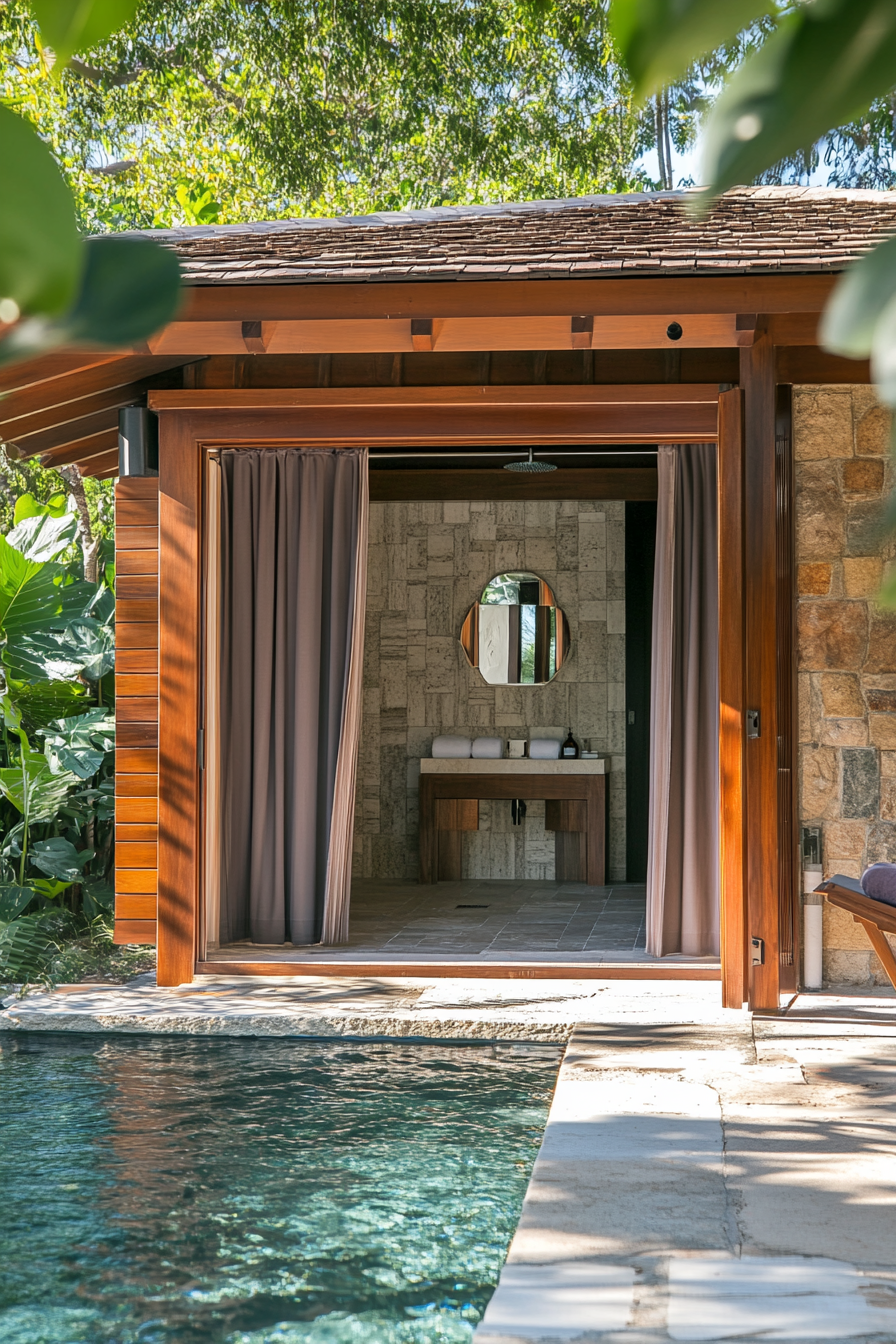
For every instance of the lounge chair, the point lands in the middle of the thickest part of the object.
(876, 917)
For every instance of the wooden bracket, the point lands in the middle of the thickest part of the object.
(581, 332)
(421, 333)
(253, 338)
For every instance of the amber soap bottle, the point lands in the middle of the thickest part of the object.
(570, 749)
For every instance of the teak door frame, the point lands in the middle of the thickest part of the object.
(191, 424)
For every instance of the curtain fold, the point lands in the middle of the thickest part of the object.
(683, 855)
(293, 559)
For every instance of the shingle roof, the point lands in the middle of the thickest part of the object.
(752, 230)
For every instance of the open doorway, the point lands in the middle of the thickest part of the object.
(512, 897)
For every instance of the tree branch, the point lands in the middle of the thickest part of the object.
(90, 544)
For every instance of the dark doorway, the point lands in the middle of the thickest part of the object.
(640, 547)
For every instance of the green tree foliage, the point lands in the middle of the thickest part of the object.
(207, 111)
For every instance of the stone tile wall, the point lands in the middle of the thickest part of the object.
(428, 564)
(847, 649)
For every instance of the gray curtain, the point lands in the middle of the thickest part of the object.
(683, 859)
(291, 528)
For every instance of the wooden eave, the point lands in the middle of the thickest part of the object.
(64, 407)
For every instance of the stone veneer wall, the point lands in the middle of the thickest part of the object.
(847, 650)
(428, 563)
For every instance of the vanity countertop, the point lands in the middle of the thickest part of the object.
(467, 765)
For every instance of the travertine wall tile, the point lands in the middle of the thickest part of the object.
(847, 649)
(428, 564)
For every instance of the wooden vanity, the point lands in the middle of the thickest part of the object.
(575, 794)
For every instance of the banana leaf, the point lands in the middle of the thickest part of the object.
(43, 537)
(33, 787)
(24, 950)
(58, 858)
(13, 900)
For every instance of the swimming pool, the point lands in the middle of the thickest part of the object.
(173, 1191)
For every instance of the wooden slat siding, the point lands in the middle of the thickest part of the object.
(135, 563)
(179, 710)
(136, 709)
(135, 931)
(761, 680)
(731, 700)
(137, 660)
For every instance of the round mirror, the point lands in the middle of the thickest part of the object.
(516, 635)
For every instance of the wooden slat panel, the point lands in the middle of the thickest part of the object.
(137, 487)
(137, 810)
(138, 609)
(137, 660)
(137, 538)
(103, 467)
(136, 761)
(136, 734)
(134, 907)
(136, 881)
(135, 931)
(137, 786)
(136, 562)
(136, 683)
(136, 855)
(148, 833)
(91, 372)
(735, 972)
(69, 412)
(137, 709)
(136, 512)
(100, 423)
(136, 585)
(136, 635)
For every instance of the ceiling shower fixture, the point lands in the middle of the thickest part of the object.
(531, 465)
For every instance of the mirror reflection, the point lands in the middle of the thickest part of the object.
(516, 635)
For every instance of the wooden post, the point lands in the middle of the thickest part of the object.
(735, 976)
(761, 597)
(179, 708)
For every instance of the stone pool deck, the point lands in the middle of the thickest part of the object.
(705, 1175)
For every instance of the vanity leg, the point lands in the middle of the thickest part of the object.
(596, 832)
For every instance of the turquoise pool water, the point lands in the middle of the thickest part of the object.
(258, 1192)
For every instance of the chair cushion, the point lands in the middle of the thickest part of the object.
(879, 882)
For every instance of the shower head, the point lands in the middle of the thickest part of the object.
(531, 465)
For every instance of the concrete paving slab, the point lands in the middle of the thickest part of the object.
(744, 1171)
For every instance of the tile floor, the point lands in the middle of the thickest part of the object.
(482, 921)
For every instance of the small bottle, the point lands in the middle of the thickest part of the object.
(570, 749)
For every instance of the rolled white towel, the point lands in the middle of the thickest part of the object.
(449, 748)
(544, 749)
(488, 748)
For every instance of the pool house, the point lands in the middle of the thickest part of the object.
(408, 504)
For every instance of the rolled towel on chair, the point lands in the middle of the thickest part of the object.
(449, 748)
(488, 748)
(544, 749)
(879, 882)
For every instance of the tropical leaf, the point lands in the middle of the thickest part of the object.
(821, 68)
(27, 506)
(49, 888)
(68, 27)
(660, 39)
(29, 593)
(43, 536)
(97, 898)
(24, 950)
(41, 253)
(43, 702)
(33, 784)
(84, 646)
(58, 858)
(13, 900)
(862, 294)
(80, 744)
